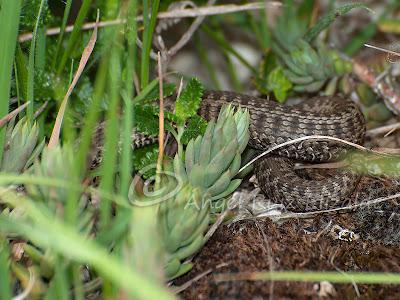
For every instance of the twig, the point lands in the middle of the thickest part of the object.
(40, 110)
(188, 34)
(82, 63)
(389, 95)
(12, 114)
(178, 13)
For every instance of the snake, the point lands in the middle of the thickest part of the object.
(272, 123)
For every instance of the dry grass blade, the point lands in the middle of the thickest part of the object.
(187, 284)
(331, 165)
(311, 214)
(386, 130)
(55, 135)
(161, 117)
(305, 138)
(181, 288)
(40, 110)
(11, 115)
(382, 49)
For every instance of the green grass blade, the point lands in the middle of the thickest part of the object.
(61, 281)
(237, 85)
(5, 286)
(50, 233)
(358, 41)
(205, 60)
(325, 21)
(110, 137)
(61, 35)
(147, 39)
(261, 30)
(9, 20)
(83, 11)
(333, 277)
(21, 74)
(126, 152)
(40, 57)
(78, 291)
(92, 116)
(224, 44)
(31, 63)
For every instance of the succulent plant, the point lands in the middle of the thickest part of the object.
(182, 222)
(206, 170)
(55, 163)
(211, 161)
(21, 146)
(309, 69)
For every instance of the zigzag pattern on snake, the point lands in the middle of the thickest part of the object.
(272, 123)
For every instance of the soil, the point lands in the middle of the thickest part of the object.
(260, 245)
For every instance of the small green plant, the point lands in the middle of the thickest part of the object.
(203, 178)
(21, 147)
(299, 62)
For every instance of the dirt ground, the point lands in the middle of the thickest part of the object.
(311, 244)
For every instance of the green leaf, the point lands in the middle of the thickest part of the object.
(328, 19)
(145, 157)
(146, 120)
(279, 84)
(196, 126)
(168, 90)
(189, 101)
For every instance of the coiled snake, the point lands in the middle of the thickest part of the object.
(272, 124)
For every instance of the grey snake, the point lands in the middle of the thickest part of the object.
(272, 123)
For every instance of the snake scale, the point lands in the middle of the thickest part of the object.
(271, 124)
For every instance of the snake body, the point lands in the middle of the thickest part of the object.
(272, 123)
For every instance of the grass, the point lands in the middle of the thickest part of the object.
(9, 16)
(60, 212)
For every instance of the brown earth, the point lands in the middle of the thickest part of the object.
(301, 244)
